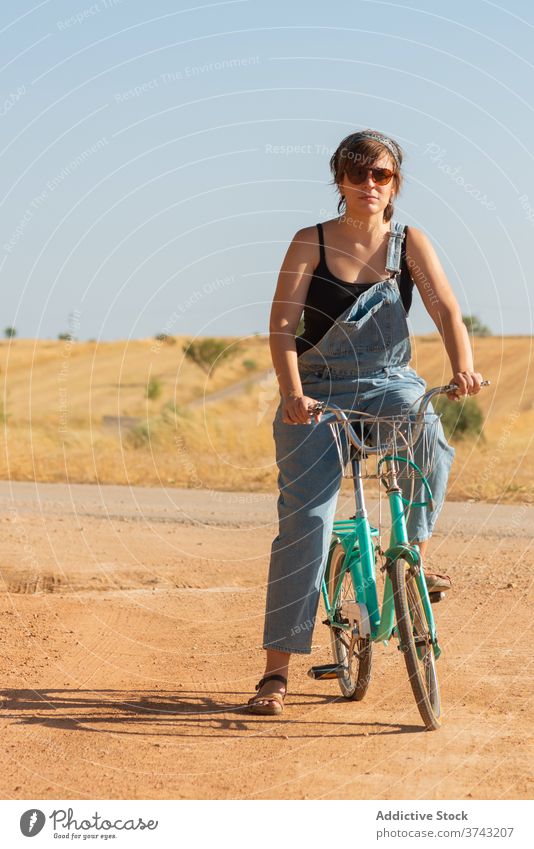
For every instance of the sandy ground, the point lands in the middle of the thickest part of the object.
(130, 626)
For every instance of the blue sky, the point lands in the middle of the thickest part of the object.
(158, 158)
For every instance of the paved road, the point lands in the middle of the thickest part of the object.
(232, 509)
(234, 388)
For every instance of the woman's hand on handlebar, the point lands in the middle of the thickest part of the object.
(468, 383)
(296, 409)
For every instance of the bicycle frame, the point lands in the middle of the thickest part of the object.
(356, 536)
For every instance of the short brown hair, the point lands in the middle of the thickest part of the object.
(365, 150)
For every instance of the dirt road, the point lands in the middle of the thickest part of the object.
(130, 626)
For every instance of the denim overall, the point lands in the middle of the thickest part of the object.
(361, 363)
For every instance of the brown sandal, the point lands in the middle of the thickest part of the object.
(272, 705)
(437, 583)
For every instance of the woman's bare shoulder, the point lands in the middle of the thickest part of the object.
(417, 238)
(304, 245)
(419, 248)
(308, 239)
(307, 235)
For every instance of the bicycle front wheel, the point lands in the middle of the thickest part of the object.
(353, 655)
(415, 643)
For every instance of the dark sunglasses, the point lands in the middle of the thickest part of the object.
(358, 173)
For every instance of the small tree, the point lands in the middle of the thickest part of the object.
(208, 353)
(10, 332)
(165, 338)
(475, 326)
(65, 337)
(460, 419)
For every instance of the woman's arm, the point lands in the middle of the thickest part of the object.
(428, 275)
(292, 287)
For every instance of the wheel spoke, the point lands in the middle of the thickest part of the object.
(343, 641)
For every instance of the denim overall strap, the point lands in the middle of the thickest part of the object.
(396, 238)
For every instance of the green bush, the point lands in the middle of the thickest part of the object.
(171, 412)
(10, 332)
(460, 419)
(153, 389)
(250, 365)
(140, 436)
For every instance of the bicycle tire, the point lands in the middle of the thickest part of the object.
(414, 634)
(354, 654)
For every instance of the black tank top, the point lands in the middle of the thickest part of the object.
(328, 297)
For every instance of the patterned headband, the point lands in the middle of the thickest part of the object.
(369, 134)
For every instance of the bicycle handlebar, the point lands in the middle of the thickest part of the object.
(423, 401)
(438, 390)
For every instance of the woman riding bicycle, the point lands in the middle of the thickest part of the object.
(355, 353)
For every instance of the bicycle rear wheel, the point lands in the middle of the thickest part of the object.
(415, 643)
(353, 655)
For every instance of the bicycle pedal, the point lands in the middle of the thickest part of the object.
(436, 597)
(327, 671)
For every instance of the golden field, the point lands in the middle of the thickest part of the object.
(57, 393)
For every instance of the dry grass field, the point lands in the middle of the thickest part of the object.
(57, 395)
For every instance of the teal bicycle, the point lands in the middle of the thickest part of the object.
(388, 449)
